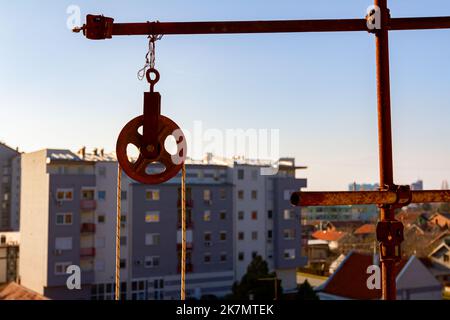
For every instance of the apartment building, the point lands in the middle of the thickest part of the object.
(9, 188)
(265, 222)
(233, 213)
(56, 223)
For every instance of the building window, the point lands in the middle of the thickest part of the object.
(446, 258)
(151, 261)
(152, 239)
(152, 194)
(101, 195)
(223, 194)
(64, 219)
(223, 215)
(87, 194)
(255, 235)
(123, 221)
(240, 174)
(207, 238)
(63, 243)
(241, 194)
(254, 215)
(241, 235)
(223, 235)
(64, 194)
(289, 234)
(207, 258)
(101, 218)
(240, 256)
(207, 195)
(123, 241)
(269, 234)
(289, 254)
(123, 195)
(288, 214)
(254, 174)
(123, 263)
(223, 257)
(241, 215)
(254, 254)
(269, 214)
(254, 194)
(207, 216)
(61, 267)
(152, 217)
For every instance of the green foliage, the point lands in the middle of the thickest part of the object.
(306, 292)
(426, 207)
(252, 283)
(444, 207)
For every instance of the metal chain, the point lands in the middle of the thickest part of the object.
(150, 56)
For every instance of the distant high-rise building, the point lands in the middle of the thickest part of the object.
(363, 186)
(444, 185)
(417, 186)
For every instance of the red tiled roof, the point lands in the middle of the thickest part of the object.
(366, 229)
(350, 279)
(14, 291)
(344, 224)
(329, 235)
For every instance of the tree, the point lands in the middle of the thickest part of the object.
(252, 283)
(306, 292)
(426, 207)
(444, 207)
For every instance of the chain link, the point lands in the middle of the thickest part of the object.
(149, 57)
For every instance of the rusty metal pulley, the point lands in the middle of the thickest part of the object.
(151, 143)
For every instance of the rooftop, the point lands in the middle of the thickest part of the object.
(328, 235)
(14, 291)
(366, 229)
(350, 278)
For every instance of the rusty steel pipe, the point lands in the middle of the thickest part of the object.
(388, 285)
(224, 27)
(274, 26)
(337, 198)
(109, 29)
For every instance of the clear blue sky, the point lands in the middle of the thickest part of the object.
(60, 90)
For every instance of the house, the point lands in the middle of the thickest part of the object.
(318, 252)
(14, 291)
(349, 281)
(441, 254)
(441, 219)
(343, 225)
(365, 231)
(439, 271)
(332, 237)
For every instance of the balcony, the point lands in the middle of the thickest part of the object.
(88, 204)
(189, 268)
(189, 203)
(189, 246)
(87, 228)
(189, 224)
(87, 252)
